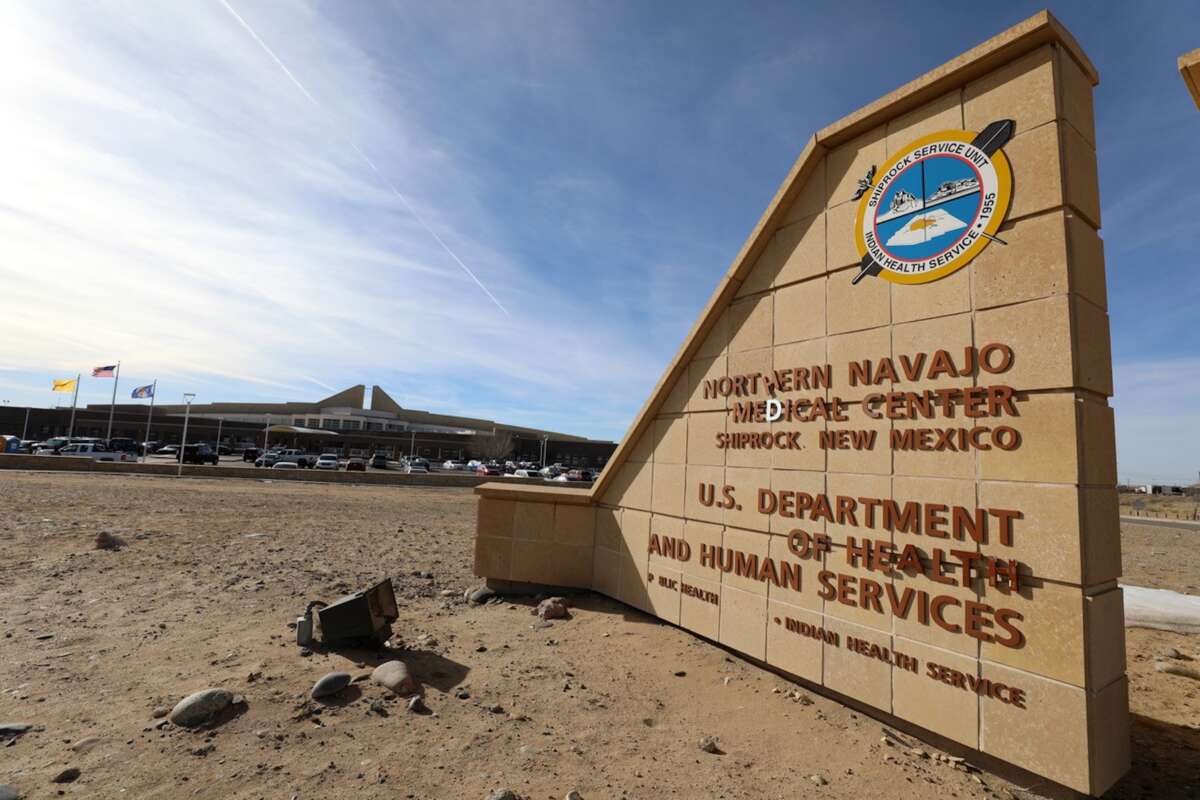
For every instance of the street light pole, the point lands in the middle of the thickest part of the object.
(220, 422)
(188, 397)
(25, 429)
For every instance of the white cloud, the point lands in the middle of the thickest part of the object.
(171, 199)
(1156, 406)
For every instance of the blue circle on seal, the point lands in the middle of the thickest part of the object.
(928, 208)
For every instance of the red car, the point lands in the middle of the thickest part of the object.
(579, 475)
(488, 470)
(356, 465)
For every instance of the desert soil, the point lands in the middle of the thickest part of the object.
(611, 703)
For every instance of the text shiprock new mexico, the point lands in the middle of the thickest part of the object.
(883, 460)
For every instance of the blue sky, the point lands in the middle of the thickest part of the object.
(172, 199)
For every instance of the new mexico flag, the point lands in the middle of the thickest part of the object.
(65, 385)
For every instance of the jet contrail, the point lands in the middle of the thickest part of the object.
(420, 220)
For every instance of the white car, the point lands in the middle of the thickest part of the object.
(92, 450)
(527, 473)
(285, 465)
(452, 465)
(417, 469)
(327, 461)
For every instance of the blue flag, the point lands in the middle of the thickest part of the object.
(143, 391)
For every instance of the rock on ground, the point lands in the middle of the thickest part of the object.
(330, 684)
(552, 608)
(200, 707)
(504, 794)
(394, 675)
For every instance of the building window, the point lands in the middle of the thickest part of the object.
(331, 424)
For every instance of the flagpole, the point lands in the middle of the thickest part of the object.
(74, 399)
(113, 405)
(149, 414)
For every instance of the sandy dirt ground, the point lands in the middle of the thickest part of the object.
(610, 703)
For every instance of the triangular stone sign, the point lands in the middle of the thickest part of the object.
(883, 460)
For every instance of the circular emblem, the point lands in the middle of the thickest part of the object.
(935, 206)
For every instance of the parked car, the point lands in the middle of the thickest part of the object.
(251, 454)
(168, 450)
(417, 467)
(327, 461)
(451, 464)
(268, 459)
(417, 461)
(53, 445)
(579, 475)
(96, 451)
(379, 461)
(551, 472)
(198, 454)
(489, 470)
(285, 465)
(224, 450)
(122, 445)
(150, 447)
(527, 473)
(356, 465)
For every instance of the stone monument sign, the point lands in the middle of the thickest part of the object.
(883, 460)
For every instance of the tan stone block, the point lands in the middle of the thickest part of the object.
(662, 588)
(862, 346)
(866, 679)
(1048, 451)
(1049, 536)
(743, 621)
(745, 552)
(811, 197)
(914, 451)
(1052, 623)
(1093, 352)
(1082, 175)
(664, 528)
(800, 311)
(852, 307)
(677, 398)
(1099, 443)
(1039, 333)
(1059, 731)
(810, 456)
(631, 486)
(759, 457)
(841, 245)
(860, 520)
(1087, 261)
(696, 612)
(868, 451)
(799, 250)
(1101, 524)
(859, 593)
(1037, 170)
(668, 489)
(746, 482)
(643, 448)
(534, 521)
(910, 340)
(494, 518)
(929, 491)
(1022, 91)
(1033, 265)
(1075, 97)
(810, 356)
(493, 557)
(551, 564)
(944, 626)
(635, 535)
(934, 705)
(574, 524)
(716, 343)
(751, 324)
(700, 371)
(1105, 619)
(749, 362)
(606, 571)
(698, 535)
(702, 430)
(696, 477)
(846, 164)
(787, 517)
(608, 528)
(670, 440)
(944, 113)
(788, 648)
(948, 295)
(789, 563)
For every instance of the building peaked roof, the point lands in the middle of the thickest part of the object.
(382, 401)
(354, 397)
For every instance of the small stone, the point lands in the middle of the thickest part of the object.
(1173, 653)
(462, 694)
(680, 674)
(83, 745)
(818, 780)
(504, 794)
(496, 708)
(481, 648)
(709, 744)
(68, 775)
(394, 675)
(160, 711)
(200, 707)
(106, 541)
(8, 792)
(552, 608)
(204, 749)
(447, 593)
(330, 684)
(305, 652)
(8, 729)
(918, 752)
(479, 595)
(573, 795)
(417, 706)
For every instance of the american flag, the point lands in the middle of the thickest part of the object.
(105, 372)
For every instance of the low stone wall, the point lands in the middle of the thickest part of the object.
(536, 534)
(387, 478)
